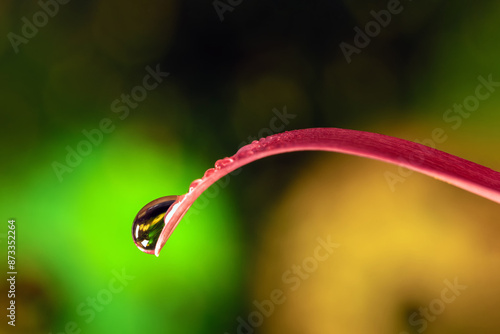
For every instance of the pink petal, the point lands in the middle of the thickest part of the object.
(462, 173)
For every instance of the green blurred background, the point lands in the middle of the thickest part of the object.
(227, 80)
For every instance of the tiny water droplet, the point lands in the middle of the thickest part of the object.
(209, 172)
(194, 184)
(223, 163)
(148, 223)
(245, 153)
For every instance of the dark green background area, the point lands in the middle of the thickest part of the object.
(225, 79)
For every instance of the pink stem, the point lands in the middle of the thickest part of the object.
(462, 173)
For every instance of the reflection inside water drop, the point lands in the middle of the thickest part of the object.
(148, 223)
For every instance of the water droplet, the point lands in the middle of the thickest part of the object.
(194, 184)
(209, 172)
(223, 163)
(245, 153)
(148, 223)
